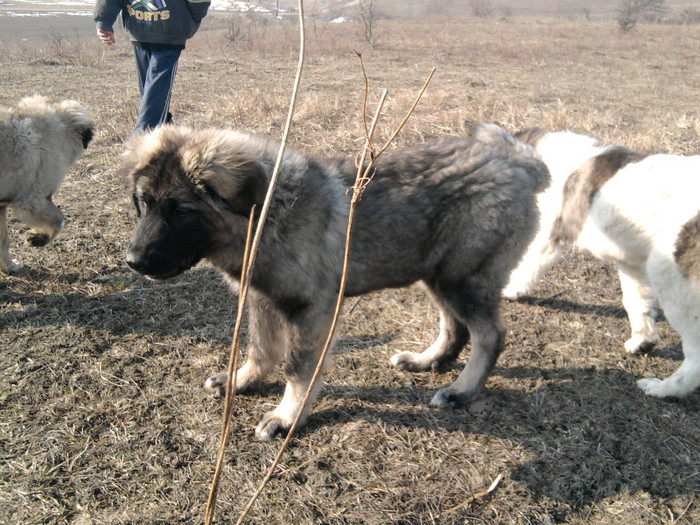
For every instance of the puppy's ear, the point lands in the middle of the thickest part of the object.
(128, 161)
(227, 173)
(77, 118)
(87, 134)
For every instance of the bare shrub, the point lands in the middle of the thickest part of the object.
(234, 28)
(256, 32)
(690, 15)
(629, 12)
(482, 8)
(56, 43)
(368, 15)
(504, 11)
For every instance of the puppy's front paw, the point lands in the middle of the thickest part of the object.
(270, 427)
(216, 384)
(38, 239)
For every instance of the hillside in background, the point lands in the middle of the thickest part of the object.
(598, 9)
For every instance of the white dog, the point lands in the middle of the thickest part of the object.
(640, 212)
(39, 141)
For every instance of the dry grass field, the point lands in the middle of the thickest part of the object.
(103, 418)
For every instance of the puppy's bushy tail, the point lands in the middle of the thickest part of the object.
(510, 146)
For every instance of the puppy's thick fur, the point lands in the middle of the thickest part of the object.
(39, 142)
(454, 214)
(640, 212)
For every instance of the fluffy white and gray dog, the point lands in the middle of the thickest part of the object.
(39, 142)
(641, 213)
(454, 214)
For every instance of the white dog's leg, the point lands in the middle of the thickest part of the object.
(540, 257)
(7, 265)
(681, 383)
(679, 298)
(638, 300)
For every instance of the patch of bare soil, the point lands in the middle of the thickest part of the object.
(103, 418)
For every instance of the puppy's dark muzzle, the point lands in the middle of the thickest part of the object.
(138, 263)
(154, 267)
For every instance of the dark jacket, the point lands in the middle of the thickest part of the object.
(153, 21)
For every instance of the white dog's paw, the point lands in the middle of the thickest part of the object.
(638, 344)
(513, 294)
(653, 386)
(271, 426)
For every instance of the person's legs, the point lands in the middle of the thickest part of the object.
(143, 58)
(157, 85)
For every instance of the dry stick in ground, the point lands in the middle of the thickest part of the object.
(232, 372)
(358, 188)
(362, 179)
(246, 274)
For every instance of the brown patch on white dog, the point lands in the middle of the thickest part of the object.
(583, 185)
(687, 249)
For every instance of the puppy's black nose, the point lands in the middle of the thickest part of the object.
(136, 262)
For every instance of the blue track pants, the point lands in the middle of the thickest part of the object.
(156, 69)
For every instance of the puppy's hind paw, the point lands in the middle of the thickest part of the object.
(270, 427)
(677, 386)
(449, 398)
(409, 361)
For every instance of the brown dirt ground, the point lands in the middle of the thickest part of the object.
(102, 416)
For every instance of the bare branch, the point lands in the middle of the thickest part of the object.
(247, 271)
(361, 180)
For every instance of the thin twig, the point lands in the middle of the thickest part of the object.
(231, 377)
(329, 340)
(410, 112)
(361, 181)
(247, 271)
(364, 99)
(479, 496)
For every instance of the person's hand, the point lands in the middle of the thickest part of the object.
(106, 36)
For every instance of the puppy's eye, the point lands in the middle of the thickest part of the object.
(140, 204)
(177, 208)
